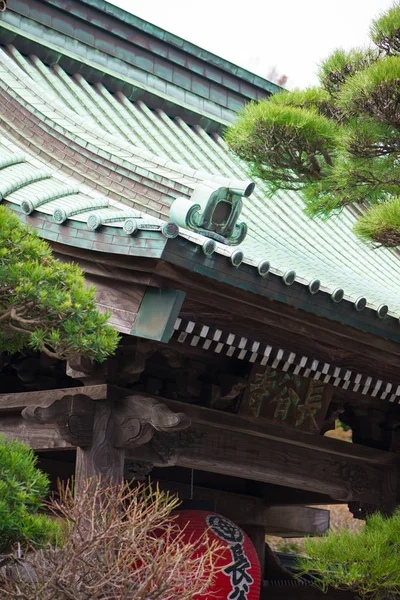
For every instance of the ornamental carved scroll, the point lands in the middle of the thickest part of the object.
(135, 419)
(286, 398)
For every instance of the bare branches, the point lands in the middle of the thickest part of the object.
(117, 544)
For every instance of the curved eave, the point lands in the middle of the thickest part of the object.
(189, 255)
(66, 132)
(108, 239)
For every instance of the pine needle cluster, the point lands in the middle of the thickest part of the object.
(44, 303)
(339, 143)
(364, 562)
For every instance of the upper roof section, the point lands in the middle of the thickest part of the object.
(107, 45)
(90, 166)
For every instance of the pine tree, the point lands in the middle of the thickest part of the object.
(339, 143)
(44, 303)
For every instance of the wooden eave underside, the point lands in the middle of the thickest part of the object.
(248, 314)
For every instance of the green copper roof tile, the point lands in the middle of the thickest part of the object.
(19, 175)
(36, 194)
(77, 205)
(6, 160)
(163, 147)
(131, 80)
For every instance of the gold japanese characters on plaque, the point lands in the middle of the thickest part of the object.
(285, 398)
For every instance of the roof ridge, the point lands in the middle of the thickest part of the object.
(179, 42)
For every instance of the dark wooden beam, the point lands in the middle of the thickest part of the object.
(41, 437)
(17, 402)
(301, 338)
(278, 432)
(101, 460)
(255, 307)
(257, 534)
(284, 521)
(228, 444)
(296, 521)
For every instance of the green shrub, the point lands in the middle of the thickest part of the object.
(364, 562)
(22, 490)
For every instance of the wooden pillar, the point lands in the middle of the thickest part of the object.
(101, 459)
(257, 535)
(101, 427)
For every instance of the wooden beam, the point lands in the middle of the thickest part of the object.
(228, 444)
(118, 298)
(240, 508)
(255, 307)
(273, 431)
(304, 340)
(257, 536)
(243, 447)
(296, 521)
(245, 510)
(17, 402)
(41, 437)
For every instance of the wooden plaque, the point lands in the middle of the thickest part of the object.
(285, 398)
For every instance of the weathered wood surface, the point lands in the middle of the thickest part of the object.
(268, 316)
(296, 521)
(284, 521)
(243, 447)
(101, 459)
(133, 419)
(303, 338)
(136, 418)
(240, 508)
(121, 300)
(253, 457)
(252, 315)
(73, 415)
(41, 437)
(286, 398)
(257, 535)
(19, 401)
(272, 431)
(227, 444)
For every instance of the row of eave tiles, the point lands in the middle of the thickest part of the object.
(278, 230)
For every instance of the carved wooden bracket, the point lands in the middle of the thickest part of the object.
(138, 417)
(72, 414)
(135, 419)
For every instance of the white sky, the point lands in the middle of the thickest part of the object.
(291, 35)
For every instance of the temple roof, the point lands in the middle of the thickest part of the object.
(89, 165)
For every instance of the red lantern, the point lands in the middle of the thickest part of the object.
(239, 576)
